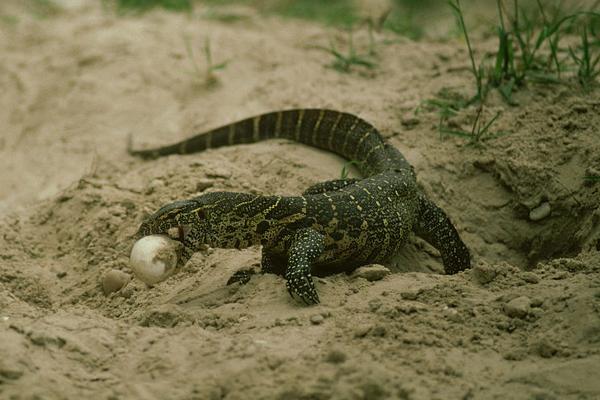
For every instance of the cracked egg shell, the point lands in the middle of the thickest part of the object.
(154, 258)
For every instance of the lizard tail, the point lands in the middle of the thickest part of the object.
(344, 134)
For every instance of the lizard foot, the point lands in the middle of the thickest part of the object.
(242, 276)
(299, 283)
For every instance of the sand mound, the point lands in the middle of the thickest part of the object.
(524, 323)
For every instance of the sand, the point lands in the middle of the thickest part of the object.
(524, 323)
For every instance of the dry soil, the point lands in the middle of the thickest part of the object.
(524, 323)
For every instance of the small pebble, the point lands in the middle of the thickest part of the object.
(537, 302)
(203, 184)
(545, 349)
(591, 171)
(530, 277)
(317, 319)
(540, 212)
(560, 275)
(452, 315)
(483, 273)
(10, 373)
(336, 357)
(407, 308)
(127, 292)
(378, 331)
(362, 331)
(373, 272)
(409, 120)
(374, 305)
(219, 173)
(515, 355)
(114, 280)
(410, 294)
(535, 314)
(155, 185)
(518, 307)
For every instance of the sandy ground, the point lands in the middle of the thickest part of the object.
(523, 324)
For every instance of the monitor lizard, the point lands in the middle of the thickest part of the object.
(334, 225)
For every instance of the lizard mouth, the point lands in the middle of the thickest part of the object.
(178, 232)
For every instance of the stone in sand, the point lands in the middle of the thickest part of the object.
(518, 308)
(540, 212)
(372, 272)
(483, 273)
(114, 280)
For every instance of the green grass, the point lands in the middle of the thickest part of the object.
(401, 18)
(329, 12)
(145, 5)
(530, 50)
(9, 20)
(344, 62)
(345, 173)
(588, 68)
(477, 71)
(480, 130)
(223, 16)
(530, 47)
(205, 76)
(42, 8)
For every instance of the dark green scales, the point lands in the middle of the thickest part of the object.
(334, 226)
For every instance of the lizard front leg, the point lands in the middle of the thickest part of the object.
(307, 245)
(435, 227)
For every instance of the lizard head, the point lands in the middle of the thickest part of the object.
(181, 214)
(215, 219)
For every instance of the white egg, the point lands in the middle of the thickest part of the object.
(154, 258)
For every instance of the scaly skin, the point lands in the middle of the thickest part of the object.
(334, 226)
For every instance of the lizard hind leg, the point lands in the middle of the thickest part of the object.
(307, 245)
(330, 186)
(272, 263)
(269, 264)
(435, 227)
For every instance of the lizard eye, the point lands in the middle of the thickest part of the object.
(201, 214)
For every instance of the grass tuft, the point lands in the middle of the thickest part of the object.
(477, 71)
(347, 166)
(43, 8)
(145, 5)
(10, 20)
(330, 12)
(344, 62)
(529, 50)
(206, 77)
(588, 67)
(480, 130)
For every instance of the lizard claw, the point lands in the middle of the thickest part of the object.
(242, 276)
(302, 285)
